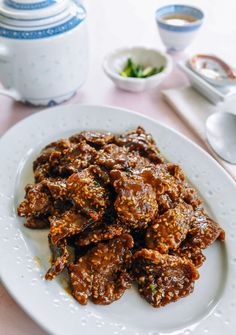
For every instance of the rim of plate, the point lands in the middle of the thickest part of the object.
(129, 111)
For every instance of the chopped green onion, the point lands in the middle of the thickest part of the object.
(96, 183)
(138, 71)
(153, 288)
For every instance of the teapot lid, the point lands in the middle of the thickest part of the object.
(30, 19)
(31, 9)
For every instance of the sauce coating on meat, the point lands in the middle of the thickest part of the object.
(95, 138)
(68, 224)
(100, 232)
(56, 187)
(139, 140)
(118, 213)
(34, 222)
(76, 157)
(204, 231)
(161, 278)
(42, 165)
(102, 273)
(62, 158)
(163, 182)
(114, 157)
(170, 229)
(60, 256)
(190, 196)
(88, 194)
(136, 203)
(37, 201)
(191, 252)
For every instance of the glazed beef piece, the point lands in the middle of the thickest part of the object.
(49, 197)
(161, 278)
(139, 140)
(112, 156)
(88, 194)
(175, 171)
(191, 252)
(104, 230)
(41, 172)
(168, 188)
(56, 187)
(204, 231)
(188, 193)
(171, 187)
(37, 201)
(170, 229)
(61, 145)
(140, 165)
(164, 203)
(60, 256)
(163, 182)
(93, 138)
(42, 165)
(136, 203)
(190, 196)
(101, 231)
(76, 157)
(62, 158)
(102, 175)
(68, 224)
(102, 273)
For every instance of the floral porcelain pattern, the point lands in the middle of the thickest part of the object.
(29, 6)
(42, 33)
(209, 310)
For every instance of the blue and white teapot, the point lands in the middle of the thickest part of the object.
(43, 50)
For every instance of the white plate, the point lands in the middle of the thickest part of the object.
(209, 310)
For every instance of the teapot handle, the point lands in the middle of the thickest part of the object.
(4, 59)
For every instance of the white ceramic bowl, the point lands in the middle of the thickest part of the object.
(114, 63)
(178, 37)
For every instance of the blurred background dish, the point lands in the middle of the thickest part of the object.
(178, 25)
(213, 69)
(115, 62)
(214, 94)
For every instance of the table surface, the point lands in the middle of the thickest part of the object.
(114, 24)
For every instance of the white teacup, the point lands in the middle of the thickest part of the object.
(178, 25)
(43, 51)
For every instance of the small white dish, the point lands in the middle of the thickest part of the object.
(213, 93)
(213, 69)
(114, 63)
(174, 35)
